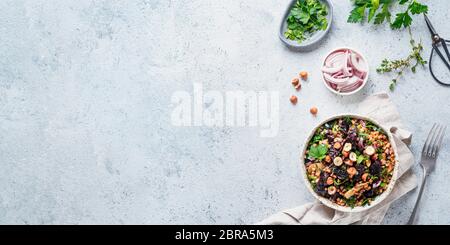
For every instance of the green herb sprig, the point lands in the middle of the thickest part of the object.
(380, 9)
(379, 12)
(412, 61)
(305, 18)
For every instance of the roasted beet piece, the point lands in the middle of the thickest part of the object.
(375, 168)
(369, 193)
(320, 188)
(340, 173)
(323, 177)
(344, 125)
(360, 168)
(333, 152)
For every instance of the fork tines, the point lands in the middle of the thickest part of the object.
(434, 140)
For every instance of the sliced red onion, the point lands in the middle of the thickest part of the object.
(345, 66)
(331, 70)
(344, 70)
(335, 80)
(376, 184)
(357, 63)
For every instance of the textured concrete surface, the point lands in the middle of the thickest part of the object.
(85, 132)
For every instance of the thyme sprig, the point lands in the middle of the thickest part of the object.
(412, 61)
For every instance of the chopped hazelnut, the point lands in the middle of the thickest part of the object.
(345, 153)
(337, 145)
(364, 176)
(330, 181)
(351, 171)
(331, 190)
(348, 162)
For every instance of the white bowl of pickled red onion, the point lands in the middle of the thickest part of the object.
(345, 71)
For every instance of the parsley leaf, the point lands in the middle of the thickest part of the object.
(383, 15)
(402, 19)
(418, 8)
(373, 9)
(378, 12)
(318, 152)
(357, 15)
(361, 158)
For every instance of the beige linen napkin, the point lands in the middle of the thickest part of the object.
(380, 108)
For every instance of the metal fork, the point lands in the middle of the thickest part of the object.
(430, 152)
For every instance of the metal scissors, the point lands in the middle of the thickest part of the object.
(438, 41)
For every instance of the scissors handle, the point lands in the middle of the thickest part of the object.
(436, 49)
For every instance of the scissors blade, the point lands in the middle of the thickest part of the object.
(444, 43)
(430, 26)
(436, 48)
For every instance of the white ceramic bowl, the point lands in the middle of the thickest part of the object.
(364, 81)
(328, 202)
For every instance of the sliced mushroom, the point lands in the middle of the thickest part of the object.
(353, 156)
(337, 161)
(369, 150)
(347, 146)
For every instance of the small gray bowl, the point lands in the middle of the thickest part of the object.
(311, 42)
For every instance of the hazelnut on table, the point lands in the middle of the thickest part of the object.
(304, 75)
(293, 99)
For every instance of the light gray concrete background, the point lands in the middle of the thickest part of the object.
(85, 89)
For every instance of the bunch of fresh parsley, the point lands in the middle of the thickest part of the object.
(305, 18)
(379, 12)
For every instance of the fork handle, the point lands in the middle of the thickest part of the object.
(413, 215)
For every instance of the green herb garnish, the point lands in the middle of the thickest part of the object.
(351, 202)
(361, 158)
(318, 152)
(317, 138)
(305, 18)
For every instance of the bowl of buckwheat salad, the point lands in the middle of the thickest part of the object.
(349, 162)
